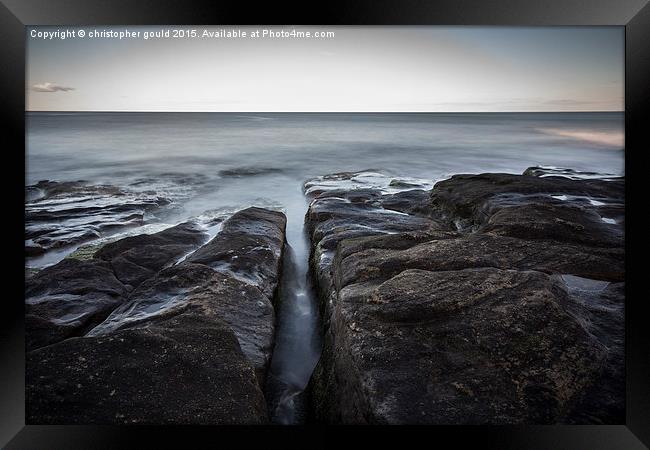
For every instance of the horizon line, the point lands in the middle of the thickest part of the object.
(320, 112)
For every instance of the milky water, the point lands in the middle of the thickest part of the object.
(211, 164)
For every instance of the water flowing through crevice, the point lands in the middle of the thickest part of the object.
(297, 341)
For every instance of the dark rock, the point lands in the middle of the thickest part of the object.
(62, 214)
(136, 258)
(599, 308)
(240, 172)
(338, 215)
(457, 310)
(514, 205)
(550, 219)
(191, 344)
(572, 174)
(235, 275)
(181, 371)
(476, 346)
(462, 194)
(248, 247)
(403, 184)
(71, 297)
(413, 201)
(247, 311)
(481, 250)
(34, 250)
(47, 189)
(370, 180)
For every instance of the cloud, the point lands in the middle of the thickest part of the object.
(50, 87)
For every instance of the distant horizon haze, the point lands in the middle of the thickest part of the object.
(320, 112)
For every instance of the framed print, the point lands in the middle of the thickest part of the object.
(272, 225)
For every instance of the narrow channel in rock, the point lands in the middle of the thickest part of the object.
(298, 340)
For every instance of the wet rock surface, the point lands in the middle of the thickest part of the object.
(555, 208)
(234, 277)
(137, 258)
(187, 340)
(71, 297)
(491, 298)
(62, 214)
(67, 299)
(248, 247)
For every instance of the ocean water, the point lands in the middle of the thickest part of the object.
(116, 147)
(209, 165)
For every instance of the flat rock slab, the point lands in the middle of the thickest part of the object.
(583, 211)
(463, 307)
(463, 194)
(482, 250)
(473, 346)
(181, 372)
(60, 214)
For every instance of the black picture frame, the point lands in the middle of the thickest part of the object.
(15, 15)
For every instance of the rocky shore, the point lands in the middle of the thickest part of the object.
(490, 299)
(158, 329)
(482, 299)
(60, 214)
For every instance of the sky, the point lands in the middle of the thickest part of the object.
(358, 69)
